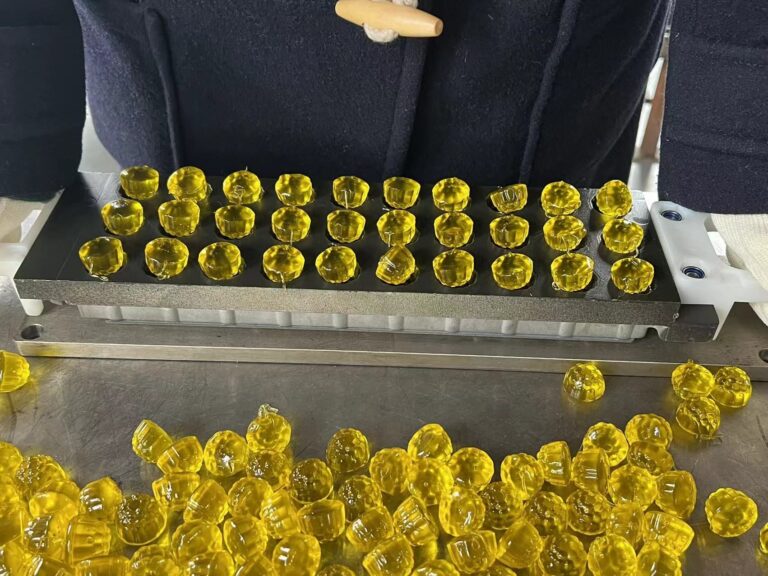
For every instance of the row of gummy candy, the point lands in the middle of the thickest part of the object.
(283, 263)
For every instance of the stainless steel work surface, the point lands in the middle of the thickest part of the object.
(83, 412)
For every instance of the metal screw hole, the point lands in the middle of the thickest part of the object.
(32, 332)
(694, 272)
(672, 215)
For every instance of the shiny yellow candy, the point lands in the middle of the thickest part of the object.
(473, 552)
(393, 557)
(564, 233)
(188, 183)
(345, 226)
(103, 566)
(524, 473)
(337, 264)
(512, 271)
(242, 187)
(149, 441)
(630, 484)
(622, 236)
(234, 220)
(174, 490)
(412, 519)
(555, 459)
(453, 229)
(87, 537)
(548, 512)
(588, 512)
(572, 272)
(471, 467)
(431, 441)
(608, 438)
(509, 231)
(559, 199)
(166, 257)
(763, 539)
(632, 275)
(247, 495)
(401, 192)
(52, 502)
(650, 456)
(100, 499)
(191, 539)
(691, 380)
(436, 568)
(370, 528)
(154, 560)
(730, 513)
(389, 469)
(216, 563)
(563, 555)
(269, 430)
(396, 266)
(649, 427)
(669, 531)
(503, 505)
(627, 521)
(140, 519)
(221, 261)
(454, 268)
(290, 224)
(509, 198)
(12, 369)
(279, 514)
(676, 492)
(347, 450)
(733, 387)
(699, 417)
(359, 494)
(336, 570)
(611, 555)
(461, 511)
(429, 479)
(184, 455)
(139, 182)
(225, 454)
(451, 195)
(310, 480)
(324, 519)
(294, 189)
(520, 545)
(209, 503)
(590, 470)
(14, 373)
(179, 217)
(122, 217)
(282, 263)
(350, 191)
(396, 227)
(614, 199)
(269, 465)
(46, 536)
(102, 256)
(654, 560)
(584, 382)
(36, 473)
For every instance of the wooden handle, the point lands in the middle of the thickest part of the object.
(406, 21)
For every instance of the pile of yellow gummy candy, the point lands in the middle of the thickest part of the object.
(243, 505)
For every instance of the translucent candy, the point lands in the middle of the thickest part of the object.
(173, 491)
(359, 494)
(454, 268)
(512, 271)
(389, 470)
(47, 566)
(337, 264)
(560, 198)
(676, 493)
(140, 182)
(247, 495)
(221, 261)
(11, 369)
(336, 570)
(611, 555)
(436, 568)
(555, 459)
(520, 545)
(242, 187)
(622, 236)
(225, 454)
(431, 441)
(509, 198)
(347, 451)
(632, 275)
(296, 555)
(140, 519)
(572, 272)
(426, 552)
(471, 467)
(451, 195)
(763, 539)
(699, 416)
(345, 226)
(584, 382)
(653, 560)
(370, 528)
(13, 520)
(630, 484)
(244, 537)
(509, 231)
(610, 439)
(563, 555)
(294, 189)
(279, 514)
(87, 537)
(524, 472)
(503, 505)
(691, 380)
(209, 503)
(324, 519)
(102, 256)
(154, 560)
(257, 566)
(401, 192)
(122, 217)
(649, 427)
(733, 387)
(166, 257)
(184, 455)
(35, 473)
(429, 479)
(587, 512)
(269, 465)
(461, 511)
(396, 227)
(103, 566)
(290, 224)
(269, 430)
(193, 538)
(234, 220)
(282, 263)
(46, 536)
(217, 563)
(650, 456)
(413, 520)
(547, 512)
(671, 532)
(350, 191)
(14, 373)
(564, 233)
(614, 199)
(52, 502)
(149, 441)
(473, 552)
(188, 183)
(453, 229)
(627, 521)
(393, 557)
(310, 480)
(179, 217)
(590, 470)
(730, 512)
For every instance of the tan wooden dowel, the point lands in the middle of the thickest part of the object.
(406, 21)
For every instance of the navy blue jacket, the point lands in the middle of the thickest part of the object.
(512, 91)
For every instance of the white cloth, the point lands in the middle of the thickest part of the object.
(384, 35)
